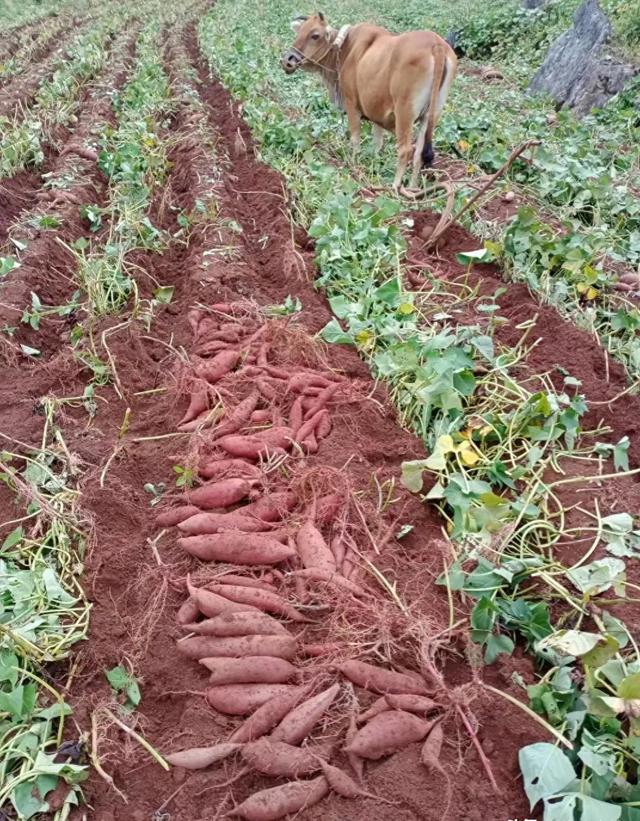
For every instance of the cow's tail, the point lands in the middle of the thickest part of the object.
(439, 76)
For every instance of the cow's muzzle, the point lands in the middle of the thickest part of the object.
(291, 60)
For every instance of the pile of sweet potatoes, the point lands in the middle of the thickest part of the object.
(242, 625)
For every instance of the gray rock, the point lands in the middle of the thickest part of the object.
(579, 70)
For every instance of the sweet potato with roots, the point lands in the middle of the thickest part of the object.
(188, 612)
(269, 714)
(242, 699)
(198, 647)
(198, 404)
(323, 428)
(210, 604)
(239, 417)
(296, 415)
(237, 547)
(244, 581)
(277, 759)
(237, 623)
(312, 548)
(219, 494)
(248, 670)
(333, 578)
(247, 447)
(272, 508)
(344, 785)
(400, 701)
(297, 725)
(307, 428)
(299, 381)
(262, 599)
(379, 680)
(214, 369)
(175, 515)
(279, 436)
(197, 758)
(230, 468)
(276, 802)
(202, 524)
(387, 733)
(321, 400)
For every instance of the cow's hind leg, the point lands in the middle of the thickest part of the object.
(419, 152)
(378, 138)
(404, 130)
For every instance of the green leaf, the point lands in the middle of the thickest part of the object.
(333, 333)
(629, 687)
(570, 642)
(546, 771)
(412, 474)
(118, 678)
(480, 255)
(164, 294)
(13, 538)
(601, 653)
(598, 576)
(497, 645)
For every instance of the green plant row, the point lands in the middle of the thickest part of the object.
(23, 140)
(44, 613)
(493, 432)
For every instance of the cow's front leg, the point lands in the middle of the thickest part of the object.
(355, 118)
(378, 138)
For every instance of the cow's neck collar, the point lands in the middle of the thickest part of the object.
(341, 36)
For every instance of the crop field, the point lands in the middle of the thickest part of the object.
(315, 501)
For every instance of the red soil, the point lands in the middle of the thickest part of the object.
(134, 600)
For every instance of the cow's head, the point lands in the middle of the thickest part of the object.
(312, 44)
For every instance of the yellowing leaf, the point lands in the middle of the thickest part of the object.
(406, 308)
(469, 457)
(364, 337)
(445, 444)
(581, 287)
(463, 145)
(471, 169)
(592, 293)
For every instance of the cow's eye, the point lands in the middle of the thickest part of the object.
(315, 36)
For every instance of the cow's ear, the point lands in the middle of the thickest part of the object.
(297, 23)
(320, 16)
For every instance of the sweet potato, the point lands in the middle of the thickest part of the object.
(188, 612)
(236, 468)
(260, 417)
(355, 762)
(321, 574)
(275, 373)
(338, 548)
(323, 428)
(245, 581)
(202, 422)
(175, 515)
(400, 701)
(212, 347)
(412, 703)
(279, 436)
(296, 415)
(238, 623)
(308, 427)
(239, 417)
(379, 680)
(275, 758)
(321, 400)
(197, 758)
(214, 369)
(242, 699)
(219, 494)
(269, 714)
(343, 784)
(296, 726)
(272, 508)
(198, 647)
(248, 670)
(387, 733)
(276, 802)
(299, 381)
(198, 404)
(309, 444)
(262, 599)
(327, 508)
(206, 523)
(312, 548)
(210, 604)
(237, 547)
(247, 447)
(432, 747)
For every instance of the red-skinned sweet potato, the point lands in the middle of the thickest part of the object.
(248, 670)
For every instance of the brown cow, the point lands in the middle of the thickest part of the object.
(393, 80)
